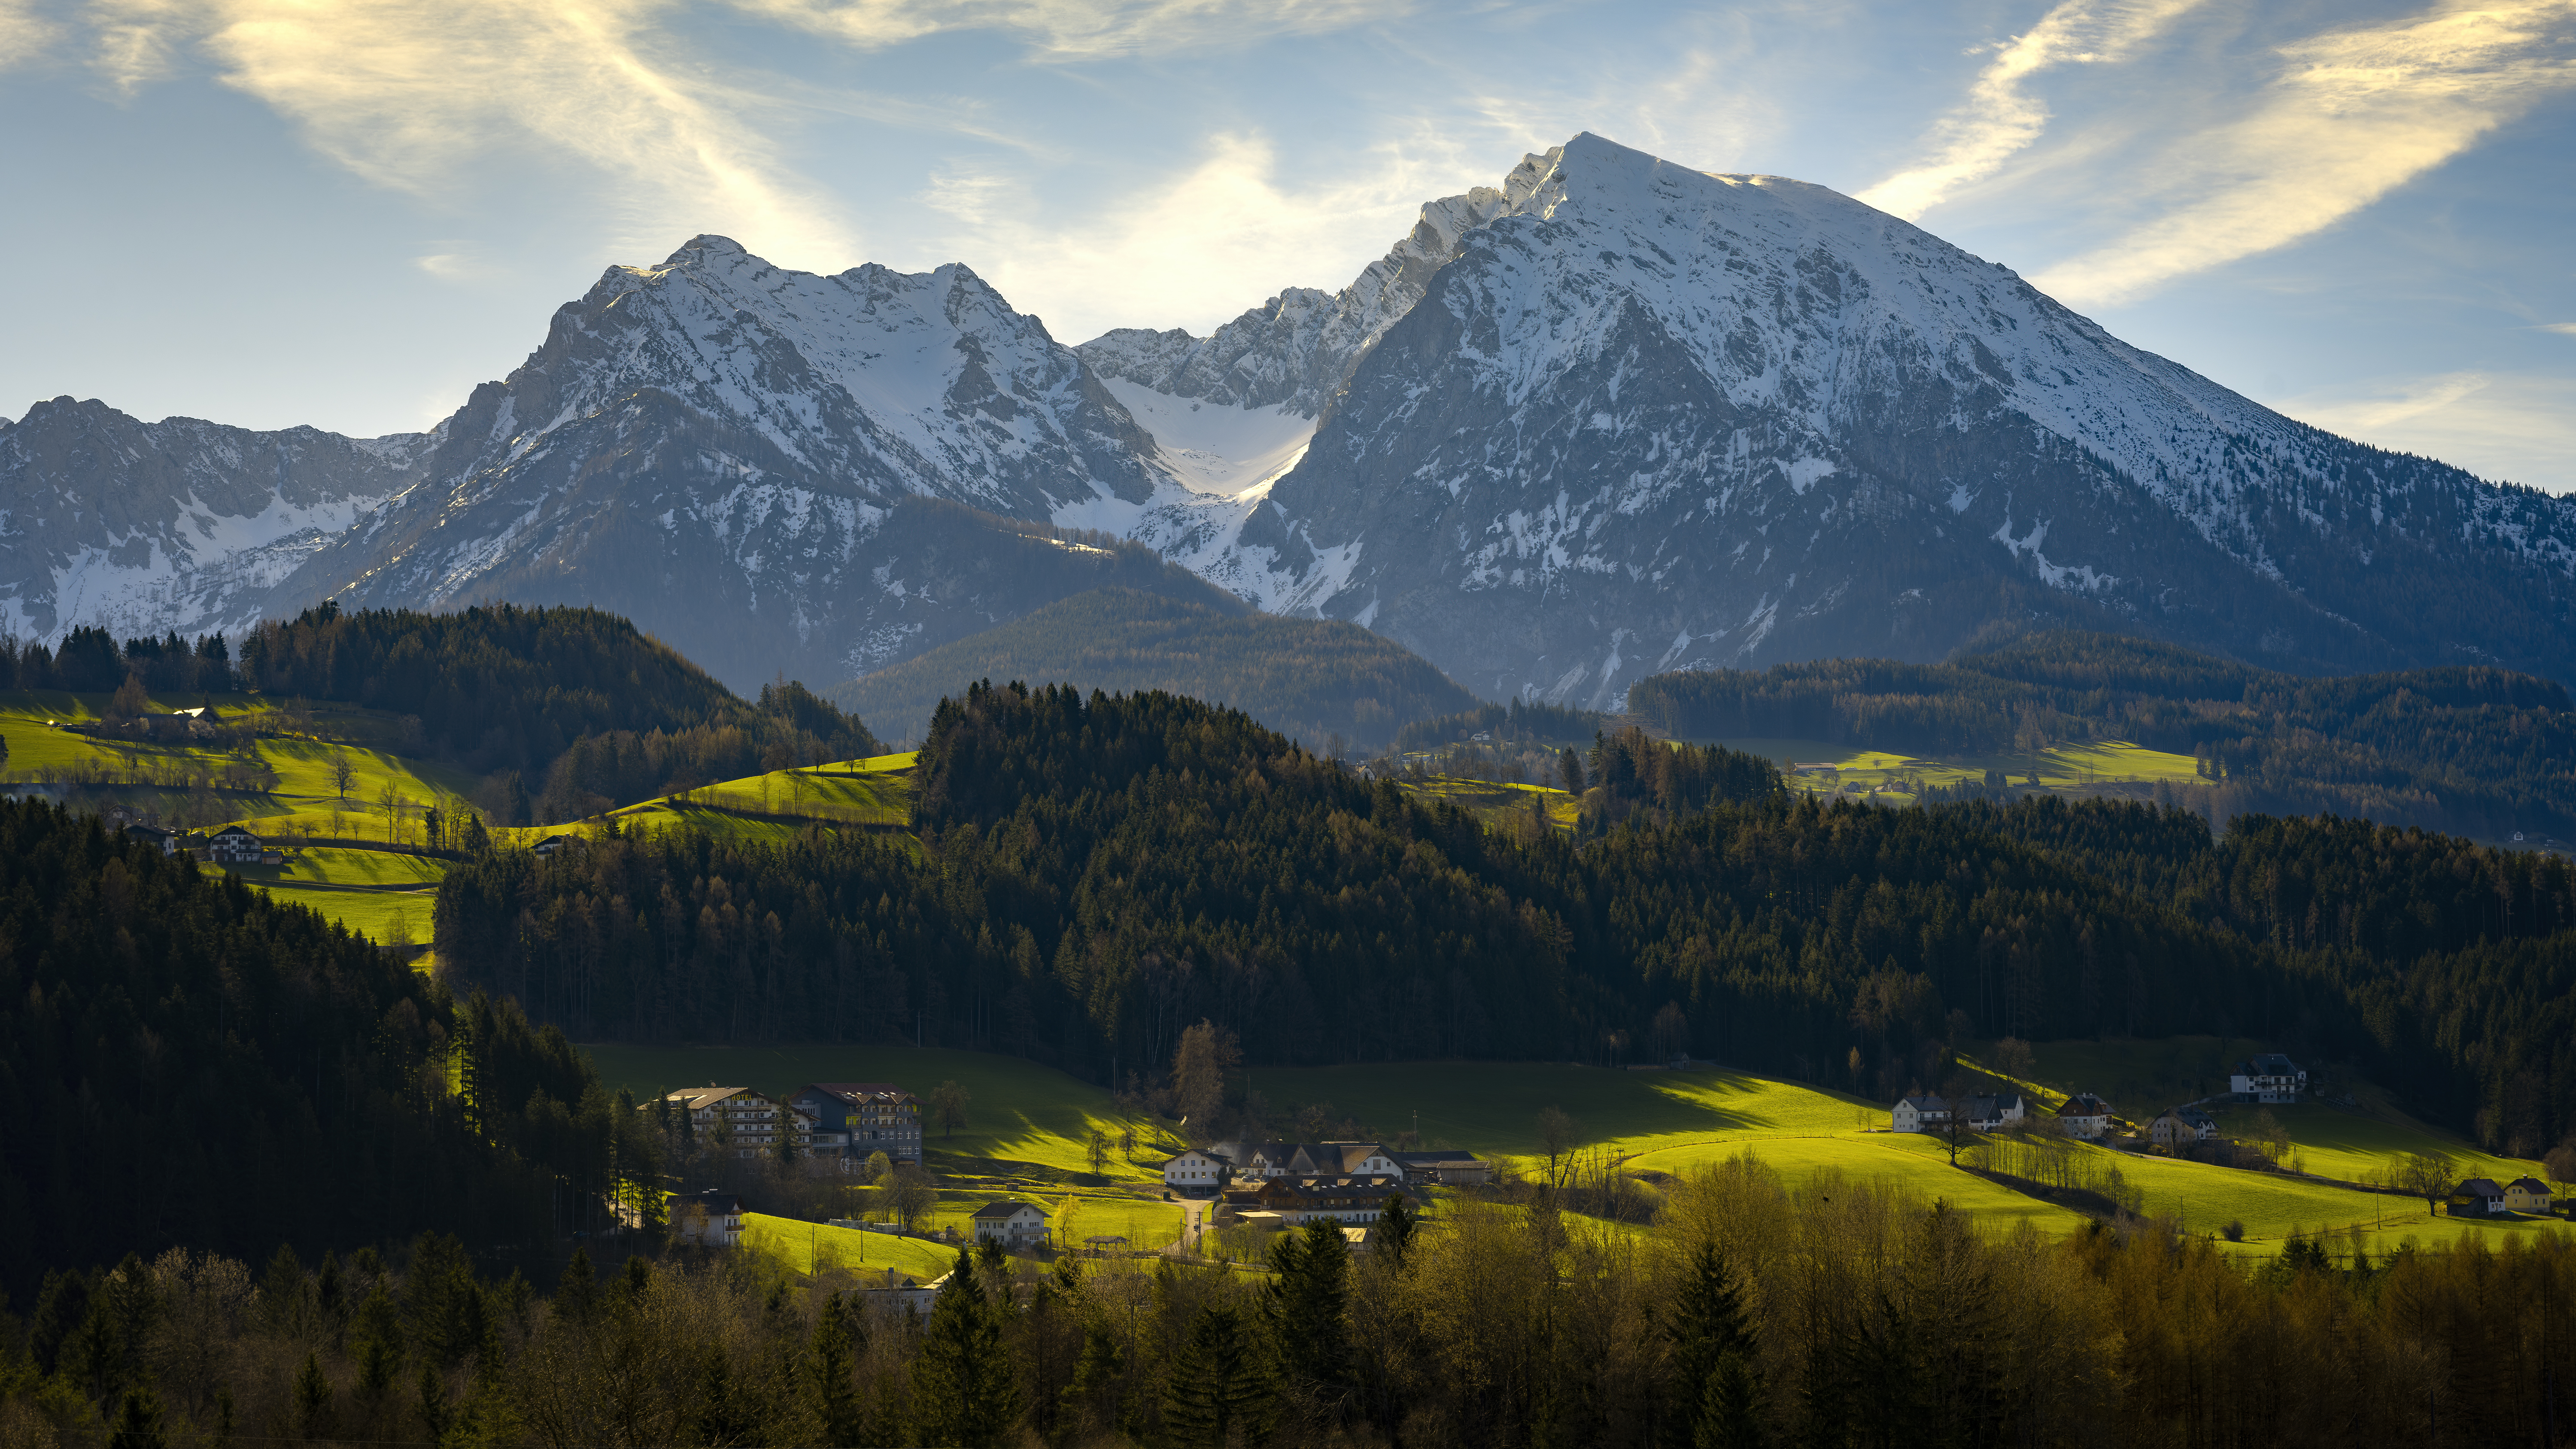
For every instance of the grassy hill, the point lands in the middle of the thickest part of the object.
(1308, 678)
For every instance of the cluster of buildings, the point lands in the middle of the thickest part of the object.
(1287, 1184)
(2270, 1077)
(844, 1121)
(2479, 1197)
(231, 845)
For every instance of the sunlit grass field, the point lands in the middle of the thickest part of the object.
(2063, 767)
(1025, 1122)
(798, 1245)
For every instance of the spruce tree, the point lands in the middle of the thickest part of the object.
(963, 1391)
(836, 1405)
(1307, 1303)
(138, 1422)
(379, 1342)
(1707, 1330)
(722, 1415)
(577, 1292)
(1395, 1229)
(313, 1418)
(1219, 1387)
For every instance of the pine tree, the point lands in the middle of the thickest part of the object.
(835, 1403)
(312, 1400)
(1219, 1387)
(379, 1342)
(1395, 1228)
(1707, 1329)
(1307, 1303)
(138, 1422)
(577, 1292)
(963, 1391)
(722, 1415)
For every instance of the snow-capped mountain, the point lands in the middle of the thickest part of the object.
(714, 447)
(1611, 417)
(179, 524)
(1642, 418)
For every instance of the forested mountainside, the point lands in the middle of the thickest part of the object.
(1096, 874)
(188, 1062)
(2472, 749)
(1313, 679)
(505, 688)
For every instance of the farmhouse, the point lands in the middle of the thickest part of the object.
(233, 845)
(1196, 1170)
(1342, 1199)
(2271, 1077)
(1991, 1113)
(165, 841)
(709, 1219)
(2529, 1195)
(2085, 1115)
(873, 1117)
(1012, 1224)
(2181, 1126)
(1919, 1114)
(2479, 1197)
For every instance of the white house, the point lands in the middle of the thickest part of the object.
(1195, 1171)
(1012, 1224)
(1919, 1114)
(2270, 1077)
(1992, 1114)
(709, 1219)
(2085, 1115)
(233, 845)
(2479, 1197)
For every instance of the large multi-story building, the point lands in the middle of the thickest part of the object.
(747, 1123)
(873, 1116)
(2271, 1077)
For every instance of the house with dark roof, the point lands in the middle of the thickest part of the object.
(2479, 1197)
(1920, 1113)
(709, 1219)
(233, 845)
(165, 841)
(2182, 1126)
(2529, 1195)
(2270, 1077)
(1443, 1168)
(1017, 1225)
(1199, 1170)
(1341, 1199)
(1991, 1113)
(2085, 1115)
(746, 1122)
(873, 1117)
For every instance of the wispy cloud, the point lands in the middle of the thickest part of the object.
(1078, 29)
(408, 92)
(25, 36)
(2351, 116)
(2001, 117)
(2569, 328)
(2514, 426)
(1194, 248)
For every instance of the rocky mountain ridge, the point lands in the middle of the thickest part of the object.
(1610, 417)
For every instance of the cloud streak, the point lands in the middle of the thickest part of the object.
(2514, 426)
(2350, 117)
(1077, 29)
(2001, 118)
(406, 92)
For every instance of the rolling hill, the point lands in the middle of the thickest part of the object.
(1309, 678)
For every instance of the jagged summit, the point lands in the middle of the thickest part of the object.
(1608, 416)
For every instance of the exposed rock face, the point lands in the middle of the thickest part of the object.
(180, 524)
(1611, 417)
(713, 448)
(1646, 418)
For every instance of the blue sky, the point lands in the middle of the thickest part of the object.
(271, 212)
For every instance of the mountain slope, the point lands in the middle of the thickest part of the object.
(144, 527)
(1307, 678)
(715, 448)
(1646, 418)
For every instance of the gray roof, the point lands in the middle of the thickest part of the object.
(1007, 1209)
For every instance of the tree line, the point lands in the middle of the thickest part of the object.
(1838, 1313)
(2470, 749)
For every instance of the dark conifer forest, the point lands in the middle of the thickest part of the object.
(1096, 874)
